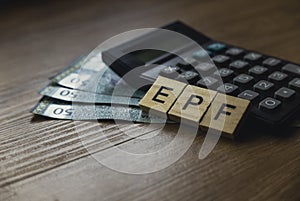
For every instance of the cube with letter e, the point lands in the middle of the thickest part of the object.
(162, 95)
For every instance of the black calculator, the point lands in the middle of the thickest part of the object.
(271, 84)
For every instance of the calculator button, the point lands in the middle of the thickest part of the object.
(187, 63)
(249, 95)
(201, 54)
(239, 65)
(284, 94)
(264, 87)
(243, 80)
(228, 88)
(272, 63)
(188, 76)
(278, 77)
(295, 84)
(205, 69)
(225, 73)
(235, 52)
(269, 104)
(170, 71)
(253, 57)
(259, 72)
(216, 47)
(221, 60)
(207, 82)
(292, 70)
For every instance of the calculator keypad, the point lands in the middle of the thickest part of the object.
(205, 68)
(244, 80)
(221, 60)
(235, 52)
(295, 84)
(170, 71)
(228, 88)
(269, 104)
(216, 47)
(264, 87)
(187, 63)
(207, 82)
(259, 72)
(253, 57)
(269, 83)
(225, 74)
(201, 54)
(285, 94)
(190, 76)
(292, 69)
(249, 95)
(239, 66)
(272, 63)
(278, 77)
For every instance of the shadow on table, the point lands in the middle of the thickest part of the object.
(251, 130)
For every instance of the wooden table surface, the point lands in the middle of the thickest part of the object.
(42, 159)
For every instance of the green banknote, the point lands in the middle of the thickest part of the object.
(73, 95)
(61, 110)
(79, 75)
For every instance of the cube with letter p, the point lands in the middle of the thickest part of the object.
(192, 105)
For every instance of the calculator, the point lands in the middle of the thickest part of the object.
(271, 84)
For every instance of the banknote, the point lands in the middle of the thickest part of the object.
(72, 66)
(61, 110)
(80, 73)
(73, 95)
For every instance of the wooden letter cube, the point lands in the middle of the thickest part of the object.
(192, 105)
(225, 114)
(161, 96)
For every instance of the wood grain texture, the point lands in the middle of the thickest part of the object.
(42, 159)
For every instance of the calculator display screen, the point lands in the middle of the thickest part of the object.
(160, 41)
(148, 55)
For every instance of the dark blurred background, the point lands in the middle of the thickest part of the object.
(52, 33)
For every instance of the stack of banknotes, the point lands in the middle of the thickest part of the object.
(65, 97)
